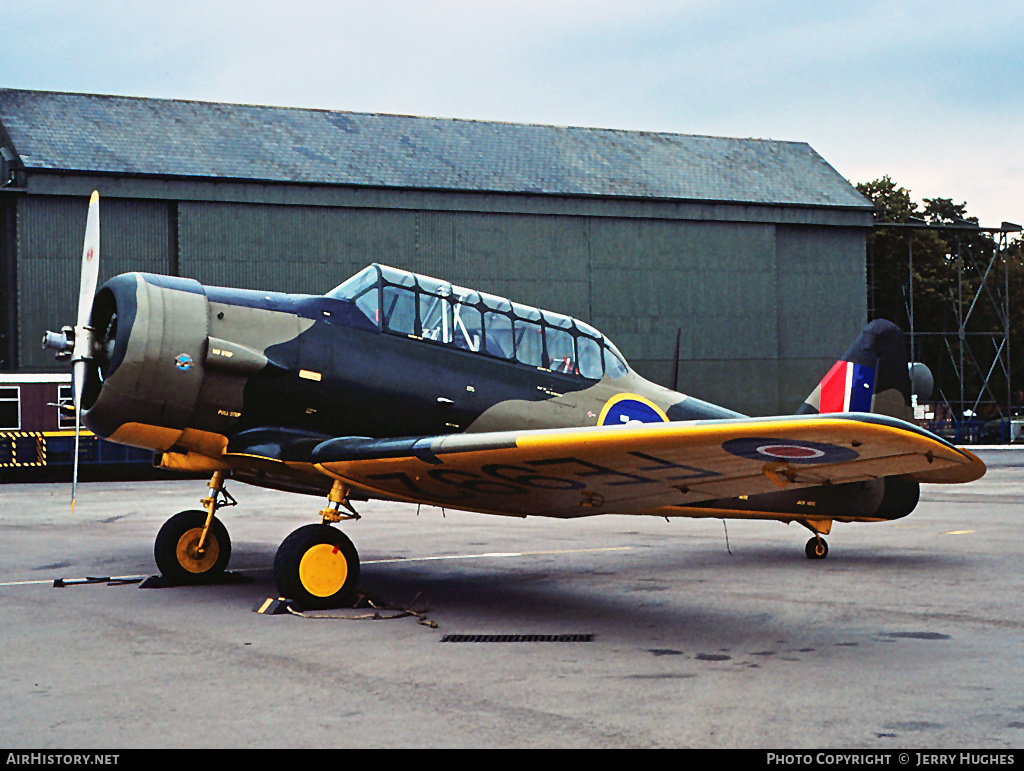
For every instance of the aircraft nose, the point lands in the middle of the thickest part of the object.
(149, 340)
(111, 330)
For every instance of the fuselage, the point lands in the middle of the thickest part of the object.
(188, 369)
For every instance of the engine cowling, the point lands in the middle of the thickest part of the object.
(145, 381)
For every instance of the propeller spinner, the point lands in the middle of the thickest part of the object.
(78, 343)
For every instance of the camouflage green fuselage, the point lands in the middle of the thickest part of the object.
(275, 374)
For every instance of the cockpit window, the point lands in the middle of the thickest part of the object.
(559, 352)
(426, 308)
(556, 320)
(435, 318)
(529, 343)
(498, 334)
(369, 303)
(355, 286)
(589, 351)
(614, 364)
(467, 321)
(399, 310)
(364, 289)
(399, 277)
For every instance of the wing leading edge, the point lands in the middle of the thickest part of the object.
(642, 468)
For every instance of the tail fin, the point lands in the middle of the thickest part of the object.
(872, 376)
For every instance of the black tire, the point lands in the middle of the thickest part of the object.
(175, 551)
(318, 567)
(816, 549)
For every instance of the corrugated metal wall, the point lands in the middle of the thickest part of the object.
(50, 230)
(713, 280)
(307, 249)
(762, 307)
(540, 260)
(8, 286)
(822, 303)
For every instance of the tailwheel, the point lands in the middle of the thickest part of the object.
(816, 548)
(318, 567)
(179, 555)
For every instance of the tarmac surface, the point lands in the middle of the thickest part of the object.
(908, 636)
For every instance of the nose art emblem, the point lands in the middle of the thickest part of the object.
(183, 362)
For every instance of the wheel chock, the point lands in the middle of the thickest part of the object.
(60, 583)
(272, 606)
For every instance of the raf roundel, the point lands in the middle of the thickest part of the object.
(789, 450)
(630, 408)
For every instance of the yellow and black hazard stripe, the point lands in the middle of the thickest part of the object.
(22, 449)
(29, 449)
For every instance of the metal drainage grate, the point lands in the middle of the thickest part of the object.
(516, 638)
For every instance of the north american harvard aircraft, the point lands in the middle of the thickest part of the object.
(401, 387)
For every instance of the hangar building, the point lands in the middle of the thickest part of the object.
(754, 249)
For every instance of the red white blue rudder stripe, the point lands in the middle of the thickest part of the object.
(870, 377)
(847, 387)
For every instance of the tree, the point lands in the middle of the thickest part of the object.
(889, 259)
(955, 284)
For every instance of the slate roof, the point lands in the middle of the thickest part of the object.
(116, 134)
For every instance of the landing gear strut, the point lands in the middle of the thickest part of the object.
(817, 547)
(317, 566)
(193, 546)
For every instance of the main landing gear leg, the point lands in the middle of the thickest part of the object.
(817, 547)
(317, 566)
(193, 546)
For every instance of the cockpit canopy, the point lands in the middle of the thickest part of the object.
(408, 304)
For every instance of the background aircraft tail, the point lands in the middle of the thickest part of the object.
(872, 376)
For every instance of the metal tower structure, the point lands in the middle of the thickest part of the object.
(974, 341)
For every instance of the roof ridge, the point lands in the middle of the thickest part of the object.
(177, 138)
(404, 116)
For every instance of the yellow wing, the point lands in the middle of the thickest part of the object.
(640, 467)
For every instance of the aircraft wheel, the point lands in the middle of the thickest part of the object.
(318, 567)
(816, 549)
(176, 548)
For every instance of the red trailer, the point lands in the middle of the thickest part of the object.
(37, 434)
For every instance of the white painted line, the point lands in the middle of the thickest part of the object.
(494, 554)
(484, 555)
(82, 581)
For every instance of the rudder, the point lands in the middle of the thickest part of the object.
(872, 376)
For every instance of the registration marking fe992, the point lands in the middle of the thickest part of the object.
(507, 479)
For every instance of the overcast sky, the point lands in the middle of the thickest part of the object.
(930, 93)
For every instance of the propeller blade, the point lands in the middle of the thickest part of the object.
(83, 346)
(90, 261)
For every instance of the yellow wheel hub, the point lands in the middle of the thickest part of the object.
(323, 570)
(188, 553)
